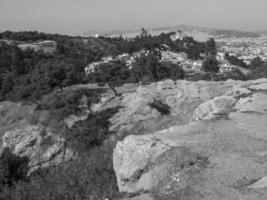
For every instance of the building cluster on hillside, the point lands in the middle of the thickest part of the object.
(129, 59)
(189, 66)
(245, 48)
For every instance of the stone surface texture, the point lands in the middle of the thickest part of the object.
(219, 154)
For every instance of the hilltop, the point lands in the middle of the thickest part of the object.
(187, 29)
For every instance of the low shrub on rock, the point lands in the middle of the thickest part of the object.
(163, 108)
(87, 134)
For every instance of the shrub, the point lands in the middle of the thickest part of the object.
(91, 176)
(164, 109)
(91, 132)
(12, 168)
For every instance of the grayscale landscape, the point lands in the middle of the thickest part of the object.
(133, 100)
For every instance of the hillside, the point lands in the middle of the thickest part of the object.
(189, 30)
(171, 139)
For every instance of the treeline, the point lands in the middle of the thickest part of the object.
(145, 41)
(27, 75)
(235, 61)
(146, 69)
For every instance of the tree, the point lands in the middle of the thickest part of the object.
(144, 33)
(256, 62)
(146, 68)
(7, 82)
(149, 68)
(235, 60)
(114, 74)
(210, 65)
(210, 48)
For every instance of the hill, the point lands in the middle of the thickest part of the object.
(190, 30)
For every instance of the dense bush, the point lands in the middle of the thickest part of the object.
(91, 176)
(148, 68)
(235, 61)
(28, 75)
(69, 101)
(164, 109)
(114, 74)
(91, 132)
(259, 71)
(12, 168)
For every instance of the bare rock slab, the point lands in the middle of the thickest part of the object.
(217, 108)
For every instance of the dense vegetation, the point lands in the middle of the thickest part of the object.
(43, 78)
(89, 176)
(235, 61)
(27, 75)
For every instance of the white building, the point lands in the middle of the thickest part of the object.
(225, 68)
(169, 56)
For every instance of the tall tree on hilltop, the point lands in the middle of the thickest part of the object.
(210, 48)
(211, 66)
(144, 33)
(114, 74)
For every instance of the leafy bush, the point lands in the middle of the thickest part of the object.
(164, 109)
(68, 100)
(12, 168)
(91, 132)
(148, 68)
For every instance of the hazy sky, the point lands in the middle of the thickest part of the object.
(79, 16)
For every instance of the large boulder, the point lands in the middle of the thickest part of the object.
(207, 160)
(259, 87)
(221, 154)
(39, 144)
(254, 103)
(22, 130)
(217, 108)
(183, 97)
(132, 159)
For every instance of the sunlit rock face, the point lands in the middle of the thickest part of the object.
(39, 144)
(219, 153)
(42, 145)
(183, 97)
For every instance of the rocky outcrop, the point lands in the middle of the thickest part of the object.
(254, 103)
(181, 96)
(214, 109)
(39, 144)
(131, 161)
(221, 154)
(23, 133)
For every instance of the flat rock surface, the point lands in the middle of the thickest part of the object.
(209, 159)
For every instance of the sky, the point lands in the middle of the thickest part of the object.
(80, 16)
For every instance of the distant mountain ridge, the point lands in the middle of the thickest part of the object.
(183, 28)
